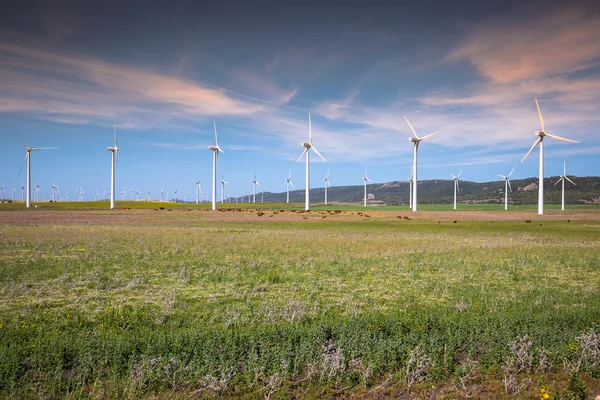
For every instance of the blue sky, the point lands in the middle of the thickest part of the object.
(163, 73)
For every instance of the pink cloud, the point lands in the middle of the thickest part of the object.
(557, 43)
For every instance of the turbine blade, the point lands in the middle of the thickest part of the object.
(430, 135)
(42, 148)
(532, 147)
(317, 151)
(292, 185)
(453, 176)
(559, 179)
(411, 127)
(23, 163)
(561, 138)
(457, 187)
(303, 153)
(458, 176)
(502, 176)
(570, 180)
(509, 187)
(511, 171)
(216, 138)
(540, 114)
(21, 141)
(309, 130)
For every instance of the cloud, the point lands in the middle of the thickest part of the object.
(61, 86)
(556, 43)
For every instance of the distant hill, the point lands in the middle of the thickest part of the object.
(586, 191)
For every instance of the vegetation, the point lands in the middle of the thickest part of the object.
(181, 304)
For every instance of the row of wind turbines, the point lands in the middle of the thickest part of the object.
(308, 147)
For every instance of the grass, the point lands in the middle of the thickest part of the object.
(181, 303)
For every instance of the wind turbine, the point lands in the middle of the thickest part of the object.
(223, 183)
(137, 195)
(96, 195)
(80, 191)
(327, 184)
(562, 179)
(541, 134)
(37, 193)
(197, 192)
(456, 187)
(416, 140)
(507, 187)
(175, 195)
(161, 195)
(254, 183)
(114, 151)
(2, 190)
(185, 196)
(307, 146)
(149, 190)
(216, 149)
(287, 184)
(366, 179)
(12, 196)
(22, 193)
(28, 159)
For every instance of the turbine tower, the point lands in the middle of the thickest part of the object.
(216, 149)
(254, 183)
(288, 182)
(114, 151)
(410, 190)
(562, 179)
(28, 159)
(416, 140)
(456, 187)
(327, 184)
(541, 134)
(366, 179)
(223, 183)
(307, 146)
(507, 187)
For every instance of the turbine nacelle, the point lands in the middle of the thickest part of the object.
(307, 145)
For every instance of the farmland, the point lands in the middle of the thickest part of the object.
(271, 303)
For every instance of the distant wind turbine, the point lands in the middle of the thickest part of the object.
(456, 186)
(197, 191)
(507, 187)
(254, 183)
(416, 140)
(562, 179)
(23, 193)
(149, 190)
(223, 183)
(216, 149)
(327, 185)
(12, 196)
(307, 146)
(366, 179)
(28, 159)
(287, 184)
(114, 153)
(541, 134)
(80, 191)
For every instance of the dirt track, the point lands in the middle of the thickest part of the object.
(184, 216)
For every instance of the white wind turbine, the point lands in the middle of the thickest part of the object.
(23, 193)
(2, 190)
(216, 149)
(149, 190)
(456, 187)
(416, 140)
(366, 179)
(254, 183)
(307, 146)
(96, 195)
(287, 183)
(562, 179)
(161, 195)
(114, 152)
(28, 159)
(541, 134)
(80, 191)
(175, 196)
(185, 196)
(37, 193)
(223, 183)
(12, 196)
(137, 195)
(327, 185)
(507, 187)
(198, 192)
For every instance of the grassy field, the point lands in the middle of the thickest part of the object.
(145, 303)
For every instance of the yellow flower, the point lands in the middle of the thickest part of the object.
(546, 396)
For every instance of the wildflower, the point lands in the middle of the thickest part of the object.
(544, 394)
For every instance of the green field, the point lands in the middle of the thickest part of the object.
(179, 304)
